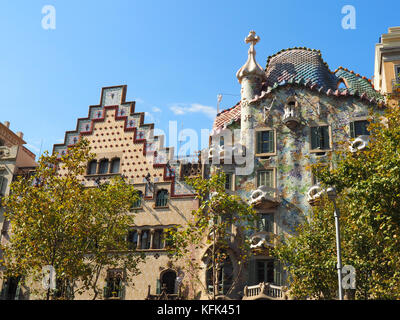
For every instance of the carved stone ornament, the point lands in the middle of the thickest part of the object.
(251, 67)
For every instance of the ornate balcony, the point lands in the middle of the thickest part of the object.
(265, 197)
(265, 291)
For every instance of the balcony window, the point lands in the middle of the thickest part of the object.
(265, 178)
(265, 271)
(320, 138)
(92, 167)
(162, 198)
(266, 222)
(265, 141)
(103, 166)
(115, 163)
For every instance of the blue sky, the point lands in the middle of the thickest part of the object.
(175, 56)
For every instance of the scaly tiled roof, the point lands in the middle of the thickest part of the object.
(299, 63)
(355, 82)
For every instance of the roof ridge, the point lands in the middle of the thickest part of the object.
(356, 74)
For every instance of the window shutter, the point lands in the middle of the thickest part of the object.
(271, 141)
(314, 138)
(105, 292)
(251, 272)
(158, 286)
(259, 142)
(352, 131)
(325, 136)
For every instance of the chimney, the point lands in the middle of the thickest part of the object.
(7, 124)
(20, 134)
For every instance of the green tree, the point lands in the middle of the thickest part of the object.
(211, 227)
(368, 182)
(57, 221)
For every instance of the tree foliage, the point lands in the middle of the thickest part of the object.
(57, 221)
(210, 229)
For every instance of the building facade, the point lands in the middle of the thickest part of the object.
(293, 113)
(387, 65)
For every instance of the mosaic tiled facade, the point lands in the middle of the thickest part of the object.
(295, 98)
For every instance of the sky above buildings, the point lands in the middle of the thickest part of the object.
(175, 56)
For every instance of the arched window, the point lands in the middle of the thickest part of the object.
(103, 166)
(138, 202)
(92, 167)
(162, 198)
(168, 280)
(145, 239)
(224, 273)
(115, 165)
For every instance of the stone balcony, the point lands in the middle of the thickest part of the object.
(265, 291)
(265, 197)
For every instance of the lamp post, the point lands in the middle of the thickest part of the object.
(332, 195)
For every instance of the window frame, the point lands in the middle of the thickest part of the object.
(259, 131)
(318, 150)
(166, 199)
(273, 176)
(231, 179)
(104, 160)
(89, 172)
(356, 119)
(140, 201)
(271, 214)
(111, 164)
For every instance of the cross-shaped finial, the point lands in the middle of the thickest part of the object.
(252, 38)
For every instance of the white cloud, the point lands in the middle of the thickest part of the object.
(156, 109)
(181, 109)
(149, 117)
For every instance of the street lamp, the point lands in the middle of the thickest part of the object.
(332, 195)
